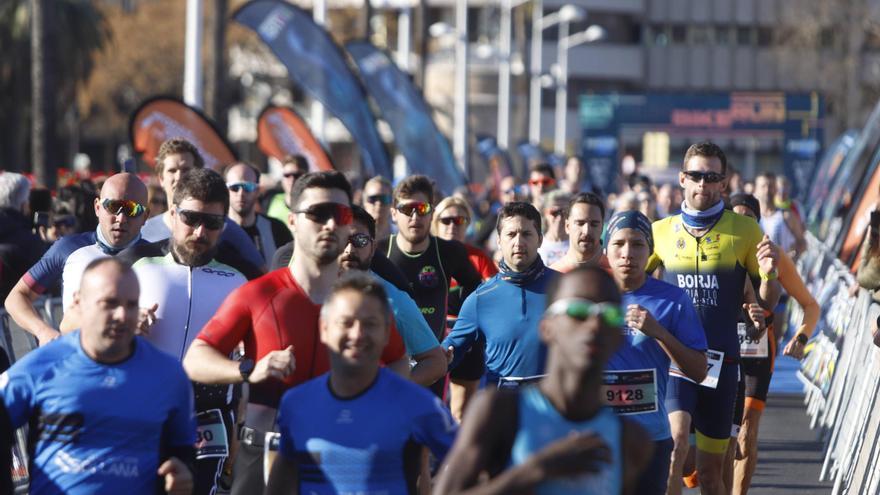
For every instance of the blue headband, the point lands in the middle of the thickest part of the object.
(632, 219)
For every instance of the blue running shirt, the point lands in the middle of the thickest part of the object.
(366, 445)
(675, 312)
(98, 428)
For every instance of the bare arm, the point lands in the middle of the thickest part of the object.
(20, 305)
(430, 367)
(204, 364)
(400, 367)
(283, 478)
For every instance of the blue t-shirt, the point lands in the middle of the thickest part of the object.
(507, 316)
(675, 312)
(414, 330)
(99, 427)
(367, 444)
(47, 272)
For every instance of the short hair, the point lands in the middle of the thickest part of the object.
(363, 283)
(449, 202)
(556, 196)
(414, 184)
(325, 179)
(93, 265)
(14, 190)
(544, 168)
(519, 209)
(586, 198)
(298, 160)
(204, 185)
(361, 215)
(176, 146)
(380, 179)
(606, 284)
(706, 149)
(251, 166)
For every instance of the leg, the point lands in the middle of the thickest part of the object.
(710, 464)
(680, 424)
(713, 419)
(464, 380)
(460, 394)
(748, 441)
(654, 479)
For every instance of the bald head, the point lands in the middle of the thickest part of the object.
(117, 225)
(107, 302)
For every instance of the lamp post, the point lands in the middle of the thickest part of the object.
(459, 132)
(565, 15)
(507, 7)
(591, 34)
(193, 94)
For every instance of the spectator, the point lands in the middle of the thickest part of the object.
(267, 233)
(277, 203)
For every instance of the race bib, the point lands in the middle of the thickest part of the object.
(211, 439)
(715, 359)
(630, 391)
(751, 348)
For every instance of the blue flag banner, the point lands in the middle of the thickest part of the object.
(404, 109)
(317, 65)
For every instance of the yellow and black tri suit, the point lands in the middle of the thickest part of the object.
(712, 269)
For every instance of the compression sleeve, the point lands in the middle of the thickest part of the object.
(230, 323)
(465, 332)
(794, 285)
(435, 429)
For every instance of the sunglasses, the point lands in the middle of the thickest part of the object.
(321, 212)
(453, 220)
(384, 199)
(421, 209)
(542, 182)
(359, 240)
(197, 218)
(580, 309)
(248, 187)
(129, 208)
(295, 175)
(709, 177)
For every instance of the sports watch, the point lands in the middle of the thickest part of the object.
(246, 367)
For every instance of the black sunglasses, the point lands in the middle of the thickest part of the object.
(322, 212)
(709, 177)
(453, 220)
(196, 218)
(384, 199)
(359, 240)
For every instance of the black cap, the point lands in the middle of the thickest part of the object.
(747, 200)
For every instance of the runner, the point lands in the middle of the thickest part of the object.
(136, 430)
(556, 241)
(451, 222)
(429, 263)
(709, 252)
(377, 201)
(542, 180)
(661, 327)
(421, 344)
(758, 371)
(555, 437)
(265, 232)
(276, 202)
(121, 214)
(781, 225)
(183, 286)
(363, 426)
(584, 221)
(276, 316)
(505, 311)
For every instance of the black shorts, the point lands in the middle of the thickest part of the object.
(473, 364)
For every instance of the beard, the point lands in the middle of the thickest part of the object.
(189, 255)
(353, 263)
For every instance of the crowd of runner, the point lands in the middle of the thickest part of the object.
(221, 333)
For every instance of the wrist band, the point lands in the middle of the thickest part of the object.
(768, 276)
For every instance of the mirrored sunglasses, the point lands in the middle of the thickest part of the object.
(421, 209)
(248, 187)
(580, 309)
(127, 207)
(359, 240)
(322, 212)
(384, 199)
(453, 220)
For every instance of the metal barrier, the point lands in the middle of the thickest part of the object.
(840, 373)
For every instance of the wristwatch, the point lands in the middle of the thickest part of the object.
(802, 339)
(246, 367)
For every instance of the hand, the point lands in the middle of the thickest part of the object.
(767, 255)
(576, 454)
(46, 336)
(450, 355)
(276, 364)
(178, 478)
(146, 318)
(639, 318)
(756, 314)
(794, 349)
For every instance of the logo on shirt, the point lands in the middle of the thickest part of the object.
(345, 417)
(680, 243)
(122, 467)
(428, 277)
(218, 272)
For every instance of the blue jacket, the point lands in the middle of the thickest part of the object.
(507, 317)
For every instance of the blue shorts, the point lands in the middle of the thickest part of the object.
(654, 477)
(711, 410)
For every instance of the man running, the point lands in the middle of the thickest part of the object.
(661, 326)
(267, 233)
(708, 252)
(276, 316)
(505, 311)
(109, 413)
(363, 426)
(183, 286)
(584, 220)
(557, 436)
(121, 213)
(377, 201)
(556, 240)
